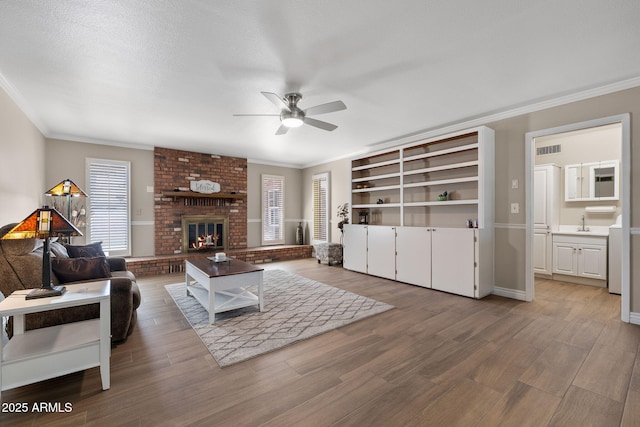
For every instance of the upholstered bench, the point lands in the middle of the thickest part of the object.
(328, 253)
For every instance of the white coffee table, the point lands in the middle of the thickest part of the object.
(223, 286)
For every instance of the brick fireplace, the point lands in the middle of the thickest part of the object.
(173, 172)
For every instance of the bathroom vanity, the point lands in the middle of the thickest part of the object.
(581, 256)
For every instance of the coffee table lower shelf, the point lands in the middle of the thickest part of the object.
(230, 299)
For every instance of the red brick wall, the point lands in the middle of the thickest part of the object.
(154, 266)
(175, 169)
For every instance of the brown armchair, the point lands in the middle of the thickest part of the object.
(21, 268)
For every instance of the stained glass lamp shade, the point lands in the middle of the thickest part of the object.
(43, 224)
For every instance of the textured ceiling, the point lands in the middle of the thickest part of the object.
(172, 72)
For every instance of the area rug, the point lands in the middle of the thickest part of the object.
(296, 308)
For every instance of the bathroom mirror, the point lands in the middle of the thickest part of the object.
(591, 181)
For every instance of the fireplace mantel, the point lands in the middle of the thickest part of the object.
(194, 195)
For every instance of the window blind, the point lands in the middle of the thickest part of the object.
(272, 209)
(321, 207)
(109, 216)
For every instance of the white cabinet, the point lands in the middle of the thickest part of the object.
(546, 197)
(592, 181)
(404, 188)
(580, 256)
(413, 259)
(354, 242)
(453, 260)
(546, 214)
(542, 252)
(381, 255)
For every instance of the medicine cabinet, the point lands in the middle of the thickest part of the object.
(592, 181)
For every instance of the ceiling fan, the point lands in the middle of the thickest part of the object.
(291, 116)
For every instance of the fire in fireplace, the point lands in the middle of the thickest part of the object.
(204, 233)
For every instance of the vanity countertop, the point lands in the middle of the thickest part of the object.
(572, 230)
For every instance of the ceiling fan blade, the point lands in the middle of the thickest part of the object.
(329, 107)
(252, 115)
(282, 130)
(320, 124)
(276, 100)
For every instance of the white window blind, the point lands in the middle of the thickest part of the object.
(321, 207)
(109, 216)
(272, 209)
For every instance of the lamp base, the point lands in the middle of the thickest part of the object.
(53, 291)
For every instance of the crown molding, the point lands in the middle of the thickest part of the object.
(73, 138)
(505, 114)
(22, 104)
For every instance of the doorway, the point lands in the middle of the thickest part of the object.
(624, 196)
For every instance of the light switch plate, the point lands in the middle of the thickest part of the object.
(515, 208)
(514, 183)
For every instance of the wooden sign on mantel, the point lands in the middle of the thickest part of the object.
(204, 186)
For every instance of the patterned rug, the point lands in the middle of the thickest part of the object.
(296, 308)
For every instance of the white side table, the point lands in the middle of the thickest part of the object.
(40, 354)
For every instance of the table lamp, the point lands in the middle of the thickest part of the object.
(44, 223)
(67, 188)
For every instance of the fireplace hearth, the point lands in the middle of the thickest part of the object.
(205, 233)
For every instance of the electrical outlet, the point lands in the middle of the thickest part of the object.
(515, 208)
(515, 184)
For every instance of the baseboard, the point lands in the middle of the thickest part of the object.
(509, 293)
(634, 318)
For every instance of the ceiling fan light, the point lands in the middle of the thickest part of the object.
(292, 122)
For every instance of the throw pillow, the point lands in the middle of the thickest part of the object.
(58, 250)
(86, 251)
(79, 269)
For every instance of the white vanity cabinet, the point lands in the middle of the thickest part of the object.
(580, 256)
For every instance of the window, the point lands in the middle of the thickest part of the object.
(108, 202)
(272, 209)
(321, 207)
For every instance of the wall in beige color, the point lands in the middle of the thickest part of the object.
(292, 201)
(23, 163)
(340, 182)
(510, 158)
(510, 255)
(584, 146)
(67, 159)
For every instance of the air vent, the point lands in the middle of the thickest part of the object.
(549, 149)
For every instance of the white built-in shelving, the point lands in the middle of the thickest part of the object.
(400, 186)
(412, 235)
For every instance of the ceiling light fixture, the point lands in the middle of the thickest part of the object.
(292, 119)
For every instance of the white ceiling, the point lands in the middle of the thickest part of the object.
(171, 73)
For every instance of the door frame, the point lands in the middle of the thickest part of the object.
(625, 196)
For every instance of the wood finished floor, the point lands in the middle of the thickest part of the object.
(435, 360)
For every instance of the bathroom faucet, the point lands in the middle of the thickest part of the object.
(582, 227)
